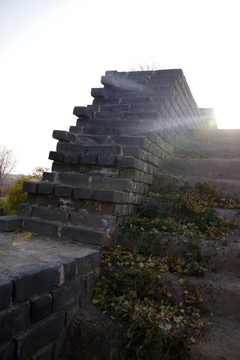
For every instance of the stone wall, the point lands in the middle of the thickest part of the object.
(38, 302)
(104, 164)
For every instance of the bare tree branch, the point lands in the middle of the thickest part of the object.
(7, 164)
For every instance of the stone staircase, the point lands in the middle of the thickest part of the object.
(212, 156)
(104, 165)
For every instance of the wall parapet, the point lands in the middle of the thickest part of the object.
(39, 300)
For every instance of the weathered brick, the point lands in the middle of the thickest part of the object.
(6, 293)
(107, 160)
(63, 136)
(43, 227)
(25, 209)
(111, 196)
(84, 235)
(99, 93)
(83, 193)
(14, 322)
(72, 158)
(34, 279)
(30, 186)
(8, 352)
(73, 179)
(46, 188)
(49, 176)
(63, 190)
(104, 149)
(46, 354)
(56, 156)
(50, 213)
(82, 112)
(58, 346)
(40, 336)
(98, 131)
(11, 222)
(70, 268)
(71, 312)
(67, 294)
(41, 308)
(72, 148)
(89, 159)
(86, 264)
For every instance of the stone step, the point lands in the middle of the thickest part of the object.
(61, 179)
(66, 215)
(116, 148)
(128, 115)
(221, 169)
(97, 207)
(216, 135)
(111, 140)
(131, 157)
(221, 341)
(226, 187)
(65, 232)
(221, 293)
(83, 192)
(210, 150)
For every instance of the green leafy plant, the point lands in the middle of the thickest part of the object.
(16, 195)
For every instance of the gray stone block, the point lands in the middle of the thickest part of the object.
(56, 156)
(72, 148)
(104, 150)
(107, 160)
(98, 131)
(46, 354)
(6, 293)
(82, 112)
(58, 346)
(111, 196)
(70, 268)
(41, 308)
(63, 136)
(83, 235)
(83, 193)
(99, 93)
(63, 190)
(42, 227)
(49, 176)
(25, 209)
(50, 213)
(40, 336)
(71, 312)
(90, 159)
(11, 222)
(34, 279)
(45, 188)
(89, 263)
(14, 322)
(30, 186)
(67, 294)
(8, 352)
(73, 179)
(72, 158)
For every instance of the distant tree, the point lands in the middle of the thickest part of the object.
(7, 164)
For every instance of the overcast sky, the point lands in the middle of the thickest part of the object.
(52, 52)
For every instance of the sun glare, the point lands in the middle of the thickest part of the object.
(227, 117)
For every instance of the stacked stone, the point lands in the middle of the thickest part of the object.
(105, 163)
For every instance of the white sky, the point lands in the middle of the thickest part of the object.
(52, 52)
